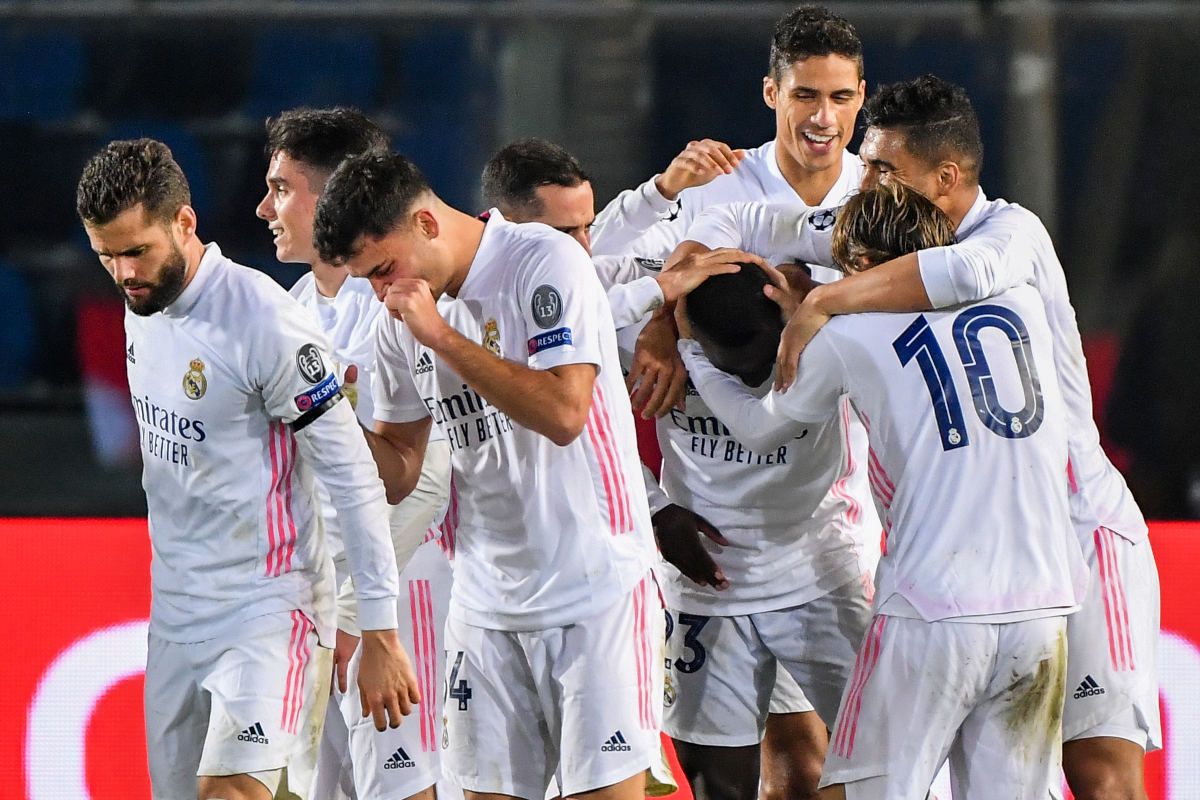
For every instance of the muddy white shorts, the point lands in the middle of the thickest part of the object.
(725, 670)
(1112, 685)
(986, 696)
(576, 703)
(251, 702)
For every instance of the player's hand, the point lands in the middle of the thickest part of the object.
(386, 681)
(682, 276)
(410, 301)
(343, 649)
(677, 531)
(698, 164)
(790, 284)
(799, 331)
(657, 380)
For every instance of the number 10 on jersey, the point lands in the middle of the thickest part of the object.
(918, 342)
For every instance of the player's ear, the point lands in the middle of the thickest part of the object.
(948, 176)
(185, 222)
(770, 92)
(426, 223)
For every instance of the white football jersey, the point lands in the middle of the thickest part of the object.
(545, 535)
(237, 403)
(640, 221)
(999, 242)
(795, 514)
(967, 458)
(781, 233)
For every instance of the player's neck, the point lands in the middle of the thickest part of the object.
(958, 204)
(193, 254)
(328, 278)
(465, 233)
(811, 185)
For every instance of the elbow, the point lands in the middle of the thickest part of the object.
(566, 427)
(396, 490)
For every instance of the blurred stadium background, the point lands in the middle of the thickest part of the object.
(1087, 108)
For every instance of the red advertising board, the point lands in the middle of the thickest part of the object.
(78, 594)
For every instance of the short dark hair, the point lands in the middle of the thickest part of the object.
(367, 195)
(322, 137)
(511, 178)
(129, 172)
(884, 222)
(936, 117)
(808, 31)
(731, 309)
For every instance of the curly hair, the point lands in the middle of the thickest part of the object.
(129, 172)
(936, 117)
(807, 31)
(367, 195)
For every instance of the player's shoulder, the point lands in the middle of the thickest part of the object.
(533, 248)
(998, 211)
(304, 287)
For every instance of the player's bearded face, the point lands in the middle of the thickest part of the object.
(151, 295)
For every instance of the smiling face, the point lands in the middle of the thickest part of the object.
(887, 158)
(289, 206)
(144, 256)
(816, 101)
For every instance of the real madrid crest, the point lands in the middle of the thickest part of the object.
(491, 337)
(668, 691)
(194, 382)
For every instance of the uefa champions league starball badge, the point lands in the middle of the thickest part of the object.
(194, 382)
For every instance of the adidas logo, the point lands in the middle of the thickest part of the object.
(616, 743)
(254, 734)
(1088, 688)
(424, 364)
(399, 760)
(129, 354)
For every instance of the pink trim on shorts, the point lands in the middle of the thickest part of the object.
(1116, 610)
(643, 661)
(864, 665)
(299, 653)
(1072, 484)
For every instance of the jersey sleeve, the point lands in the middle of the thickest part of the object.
(563, 305)
(750, 419)
(820, 383)
(336, 447)
(395, 394)
(628, 216)
(633, 292)
(291, 364)
(795, 232)
(997, 255)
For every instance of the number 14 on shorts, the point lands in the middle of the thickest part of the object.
(457, 689)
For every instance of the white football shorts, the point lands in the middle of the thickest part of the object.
(251, 702)
(577, 703)
(725, 670)
(1112, 685)
(988, 697)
